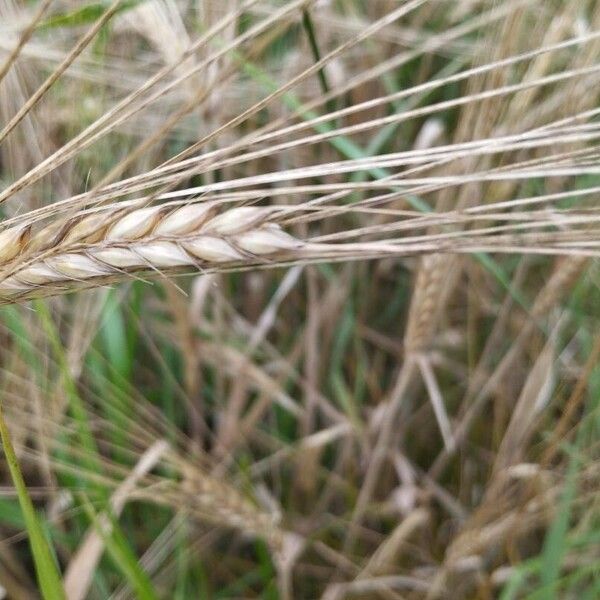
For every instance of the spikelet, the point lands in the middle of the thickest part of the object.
(107, 243)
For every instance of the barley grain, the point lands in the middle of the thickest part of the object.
(99, 245)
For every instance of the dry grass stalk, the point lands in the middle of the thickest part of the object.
(437, 275)
(24, 38)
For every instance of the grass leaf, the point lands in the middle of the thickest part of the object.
(121, 553)
(48, 576)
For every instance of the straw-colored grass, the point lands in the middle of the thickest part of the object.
(379, 375)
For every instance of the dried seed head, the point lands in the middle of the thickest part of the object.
(12, 242)
(86, 229)
(161, 237)
(10, 288)
(77, 266)
(48, 237)
(236, 220)
(39, 274)
(133, 225)
(117, 257)
(266, 240)
(212, 249)
(184, 220)
(162, 255)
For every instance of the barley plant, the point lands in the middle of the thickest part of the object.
(300, 299)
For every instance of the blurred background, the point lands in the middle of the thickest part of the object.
(408, 427)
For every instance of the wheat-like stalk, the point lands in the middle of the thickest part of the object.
(106, 244)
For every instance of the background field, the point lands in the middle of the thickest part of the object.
(410, 412)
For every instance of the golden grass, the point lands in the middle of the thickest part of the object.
(391, 422)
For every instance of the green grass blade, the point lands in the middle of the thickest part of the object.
(555, 544)
(79, 412)
(121, 554)
(84, 15)
(48, 576)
